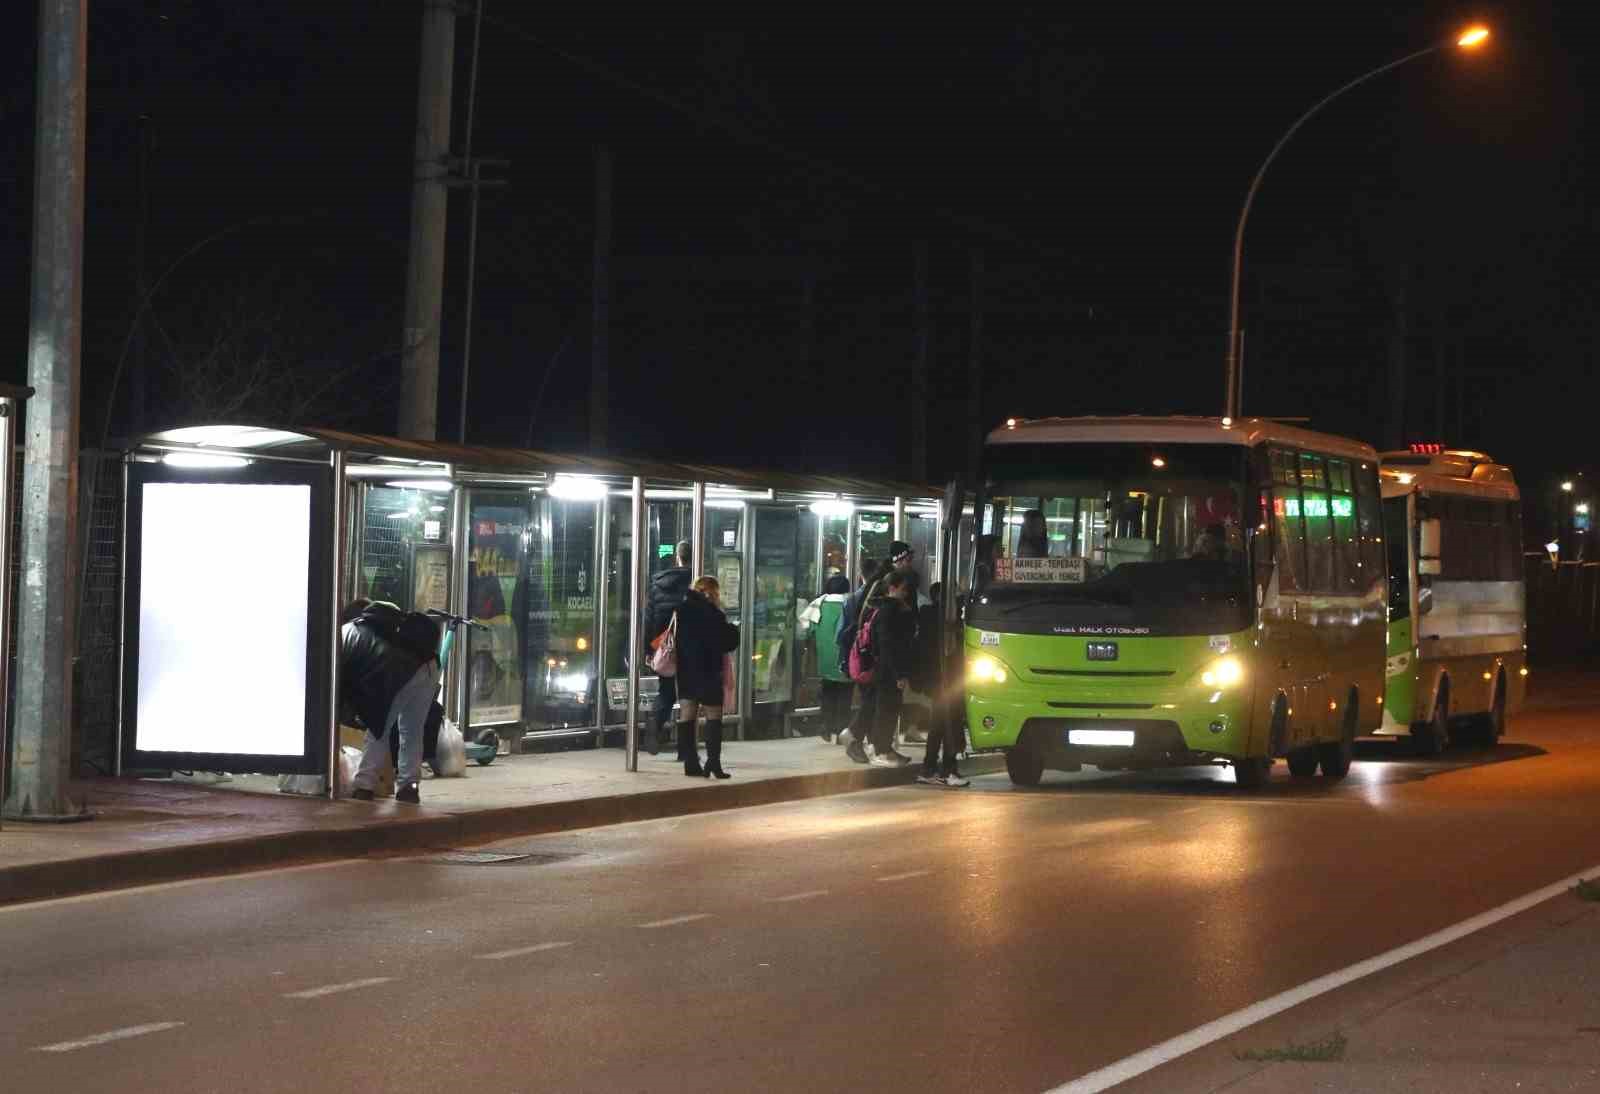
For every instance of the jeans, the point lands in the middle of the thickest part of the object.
(408, 713)
(885, 701)
(944, 730)
(666, 696)
(835, 705)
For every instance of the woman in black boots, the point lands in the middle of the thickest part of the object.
(705, 637)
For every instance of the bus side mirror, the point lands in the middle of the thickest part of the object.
(1428, 547)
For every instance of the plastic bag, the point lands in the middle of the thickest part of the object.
(450, 757)
(349, 764)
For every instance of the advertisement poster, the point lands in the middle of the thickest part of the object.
(430, 579)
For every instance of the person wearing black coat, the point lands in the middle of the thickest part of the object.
(705, 638)
(665, 594)
(385, 683)
(893, 617)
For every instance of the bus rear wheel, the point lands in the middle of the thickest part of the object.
(1336, 757)
(1024, 765)
(1433, 736)
(1487, 729)
(1303, 762)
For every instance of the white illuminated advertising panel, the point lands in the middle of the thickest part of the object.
(222, 618)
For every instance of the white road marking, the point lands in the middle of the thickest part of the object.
(808, 895)
(674, 921)
(905, 876)
(1229, 1024)
(335, 989)
(163, 886)
(521, 951)
(103, 1038)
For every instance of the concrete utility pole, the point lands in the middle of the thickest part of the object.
(600, 355)
(43, 752)
(979, 425)
(419, 361)
(919, 370)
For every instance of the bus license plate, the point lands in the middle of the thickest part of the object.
(1115, 738)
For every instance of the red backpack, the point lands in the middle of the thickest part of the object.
(863, 649)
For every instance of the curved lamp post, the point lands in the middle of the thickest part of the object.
(1468, 39)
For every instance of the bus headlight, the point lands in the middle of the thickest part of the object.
(986, 669)
(1223, 674)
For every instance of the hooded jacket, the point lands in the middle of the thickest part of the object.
(666, 592)
(372, 667)
(894, 631)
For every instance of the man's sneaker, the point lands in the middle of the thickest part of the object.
(955, 780)
(856, 752)
(889, 758)
(408, 794)
(845, 738)
(930, 780)
(825, 738)
(361, 795)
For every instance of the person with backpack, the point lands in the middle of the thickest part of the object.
(704, 640)
(881, 660)
(844, 635)
(822, 617)
(388, 674)
(666, 593)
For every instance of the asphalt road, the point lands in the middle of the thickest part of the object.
(907, 939)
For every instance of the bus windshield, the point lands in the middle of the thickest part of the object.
(1098, 538)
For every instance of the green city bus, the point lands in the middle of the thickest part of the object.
(1457, 662)
(1165, 592)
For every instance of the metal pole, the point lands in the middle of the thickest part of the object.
(1232, 399)
(900, 519)
(460, 593)
(40, 767)
(472, 229)
(8, 409)
(419, 363)
(640, 565)
(340, 517)
(600, 352)
(122, 625)
(602, 601)
(697, 534)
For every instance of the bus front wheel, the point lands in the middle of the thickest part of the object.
(1024, 765)
(1252, 772)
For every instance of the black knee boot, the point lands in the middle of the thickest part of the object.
(714, 749)
(687, 752)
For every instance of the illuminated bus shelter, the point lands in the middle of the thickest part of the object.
(242, 542)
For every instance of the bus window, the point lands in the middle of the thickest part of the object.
(1394, 537)
(1346, 546)
(1369, 519)
(1316, 506)
(1290, 538)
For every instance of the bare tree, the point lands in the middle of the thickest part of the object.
(258, 351)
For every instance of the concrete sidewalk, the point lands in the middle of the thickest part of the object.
(145, 830)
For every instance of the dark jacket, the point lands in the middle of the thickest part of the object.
(894, 631)
(664, 595)
(704, 636)
(373, 669)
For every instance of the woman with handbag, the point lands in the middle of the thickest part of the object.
(702, 638)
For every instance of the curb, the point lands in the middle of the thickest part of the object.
(243, 854)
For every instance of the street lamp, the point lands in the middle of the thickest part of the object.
(1471, 38)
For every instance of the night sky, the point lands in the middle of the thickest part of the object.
(774, 180)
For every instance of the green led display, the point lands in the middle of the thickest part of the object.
(1316, 507)
(664, 551)
(1291, 507)
(1344, 507)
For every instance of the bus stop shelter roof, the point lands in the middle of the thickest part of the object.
(317, 443)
